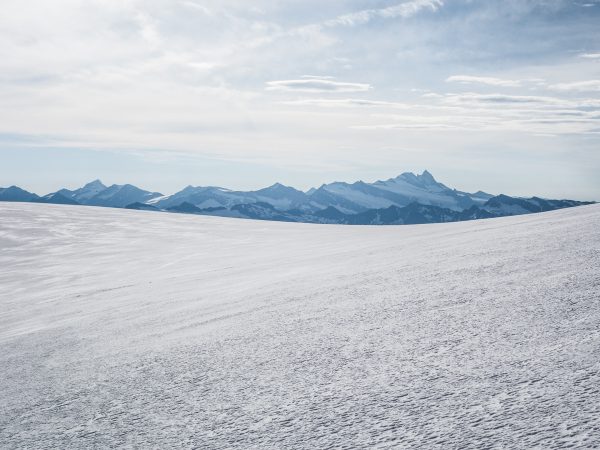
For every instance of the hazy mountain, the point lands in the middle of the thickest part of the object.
(201, 197)
(58, 199)
(278, 195)
(331, 214)
(407, 199)
(96, 193)
(188, 208)
(400, 191)
(415, 213)
(503, 205)
(16, 194)
(265, 211)
(424, 189)
(142, 207)
(120, 196)
(83, 194)
(348, 198)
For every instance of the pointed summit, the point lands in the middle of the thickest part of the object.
(280, 196)
(277, 185)
(426, 176)
(277, 188)
(86, 192)
(425, 179)
(96, 184)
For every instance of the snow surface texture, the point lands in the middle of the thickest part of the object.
(133, 329)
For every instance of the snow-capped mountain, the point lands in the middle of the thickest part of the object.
(121, 195)
(401, 191)
(503, 205)
(58, 198)
(416, 213)
(406, 199)
(280, 196)
(96, 193)
(85, 193)
(424, 189)
(349, 198)
(199, 196)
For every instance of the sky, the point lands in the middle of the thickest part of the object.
(497, 95)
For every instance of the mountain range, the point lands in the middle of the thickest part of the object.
(407, 199)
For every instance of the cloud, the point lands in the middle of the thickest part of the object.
(467, 79)
(472, 97)
(410, 126)
(345, 103)
(318, 77)
(197, 6)
(191, 75)
(148, 29)
(312, 84)
(403, 10)
(580, 86)
(489, 113)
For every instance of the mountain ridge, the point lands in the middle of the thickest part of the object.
(406, 199)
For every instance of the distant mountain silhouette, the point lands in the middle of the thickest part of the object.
(57, 198)
(116, 196)
(406, 199)
(142, 207)
(16, 194)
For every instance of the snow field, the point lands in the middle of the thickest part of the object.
(133, 329)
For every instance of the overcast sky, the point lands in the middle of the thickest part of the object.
(498, 95)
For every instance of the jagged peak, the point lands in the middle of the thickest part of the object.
(424, 178)
(278, 186)
(95, 184)
(426, 175)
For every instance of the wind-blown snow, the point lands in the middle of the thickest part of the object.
(132, 329)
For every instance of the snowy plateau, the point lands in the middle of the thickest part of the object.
(131, 329)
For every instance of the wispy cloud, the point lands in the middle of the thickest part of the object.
(313, 84)
(580, 86)
(344, 102)
(197, 6)
(410, 126)
(467, 79)
(472, 97)
(406, 9)
(590, 55)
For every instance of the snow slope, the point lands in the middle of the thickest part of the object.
(132, 329)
